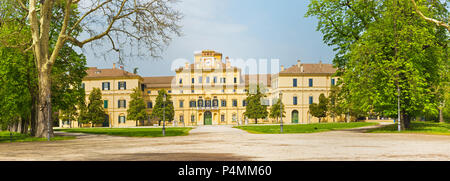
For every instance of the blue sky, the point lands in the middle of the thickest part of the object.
(259, 29)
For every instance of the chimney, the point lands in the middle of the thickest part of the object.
(282, 68)
(320, 63)
(301, 68)
(227, 62)
(114, 65)
(299, 63)
(186, 65)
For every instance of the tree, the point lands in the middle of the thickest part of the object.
(95, 112)
(319, 110)
(275, 110)
(163, 107)
(255, 109)
(69, 69)
(143, 23)
(437, 22)
(395, 57)
(335, 106)
(137, 109)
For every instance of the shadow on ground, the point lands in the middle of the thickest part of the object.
(175, 157)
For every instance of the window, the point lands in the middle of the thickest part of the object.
(223, 90)
(294, 82)
(181, 103)
(200, 103)
(234, 103)
(192, 104)
(234, 90)
(122, 103)
(193, 80)
(223, 103)
(310, 82)
(310, 99)
(105, 104)
(181, 81)
(222, 118)
(123, 85)
(215, 80)
(207, 80)
(149, 104)
(332, 82)
(82, 85)
(294, 101)
(192, 118)
(235, 80)
(234, 117)
(208, 103)
(121, 119)
(222, 80)
(192, 91)
(215, 103)
(149, 92)
(200, 79)
(169, 91)
(105, 86)
(244, 103)
(182, 118)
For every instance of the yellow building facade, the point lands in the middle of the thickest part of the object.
(210, 91)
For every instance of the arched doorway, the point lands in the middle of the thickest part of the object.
(106, 122)
(294, 116)
(207, 118)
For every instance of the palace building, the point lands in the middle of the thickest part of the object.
(211, 91)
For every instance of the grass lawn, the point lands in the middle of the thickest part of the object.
(302, 128)
(17, 137)
(133, 132)
(417, 127)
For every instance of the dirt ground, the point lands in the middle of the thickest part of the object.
(226, 143)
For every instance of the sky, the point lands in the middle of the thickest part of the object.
(239, 29)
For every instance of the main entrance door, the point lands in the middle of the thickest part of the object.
(207, 118)
(294, 116)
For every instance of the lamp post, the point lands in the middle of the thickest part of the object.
(281, 113)
(164, 116)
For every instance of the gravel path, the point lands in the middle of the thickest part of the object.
(226, 143)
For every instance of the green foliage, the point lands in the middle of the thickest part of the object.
(15, 93)
(255, 109)
(303, 128)
(5, 137)
(374, 59)
(275, 110)
(18, 69)
(319, 110)
(417, 127)
(163, 106)
(137, 109)
(132, 132)
(95, 112)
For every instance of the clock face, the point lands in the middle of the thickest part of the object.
(208, 62)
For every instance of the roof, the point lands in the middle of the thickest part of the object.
(192, 67)
(93, 72)
(310, 69)
(158, 82)
(259, 78)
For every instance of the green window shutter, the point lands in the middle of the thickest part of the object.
(105, 103)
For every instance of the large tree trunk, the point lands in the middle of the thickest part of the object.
(405, 121)
(441, 116)
(256, 120)
(44, 104)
